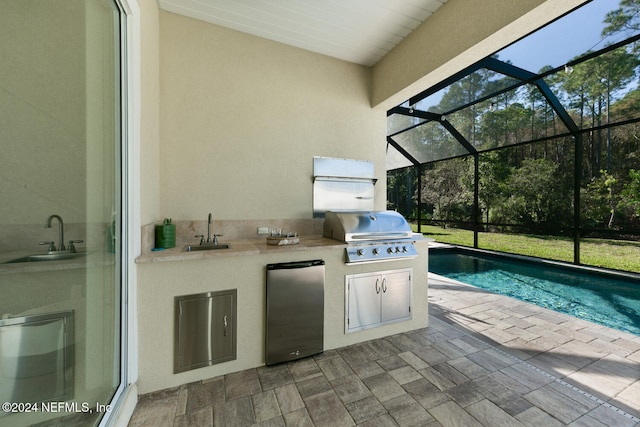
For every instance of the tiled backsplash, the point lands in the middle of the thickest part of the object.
(231, 230)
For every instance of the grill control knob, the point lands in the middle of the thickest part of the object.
(360, 252)
(390, 250)
(376, 251)
(404, 249)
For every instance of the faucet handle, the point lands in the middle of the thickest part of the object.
(201, 236)
(51, 248)
(215, 238)
(71, 247)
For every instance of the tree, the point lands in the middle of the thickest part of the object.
(592, 88)
(400, 191)
(599, 200)
(494, 172)
(631, 193)
(625, 18)
(536, 196)
(445, 186)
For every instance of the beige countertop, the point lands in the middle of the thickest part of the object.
(247, 247)
(238, 248)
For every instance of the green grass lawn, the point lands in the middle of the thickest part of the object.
(615, 254)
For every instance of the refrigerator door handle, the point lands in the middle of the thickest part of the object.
(294, 265)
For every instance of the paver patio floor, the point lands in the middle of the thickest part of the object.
(484, 360)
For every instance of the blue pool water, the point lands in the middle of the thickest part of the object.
(610, 301)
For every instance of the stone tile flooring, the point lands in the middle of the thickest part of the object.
(484, 360)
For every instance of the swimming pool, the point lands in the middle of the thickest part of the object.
(601, 298)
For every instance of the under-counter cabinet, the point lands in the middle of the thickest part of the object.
(205, 329)
(375, 299)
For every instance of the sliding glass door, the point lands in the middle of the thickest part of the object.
(61, 210)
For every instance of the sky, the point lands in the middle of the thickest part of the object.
(564, 39)
(557, 43)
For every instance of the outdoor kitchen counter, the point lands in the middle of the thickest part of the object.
(248, 247)
(164, 275)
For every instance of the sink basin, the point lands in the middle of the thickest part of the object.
(192, 248)
(46, 257)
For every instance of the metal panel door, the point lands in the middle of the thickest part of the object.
(396, 296)
(205, 326)
(364, 301)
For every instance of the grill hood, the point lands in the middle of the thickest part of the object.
(364, 226)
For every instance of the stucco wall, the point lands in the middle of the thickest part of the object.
(149, 111)
(242, 117)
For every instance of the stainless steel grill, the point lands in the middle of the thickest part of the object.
(371, 235)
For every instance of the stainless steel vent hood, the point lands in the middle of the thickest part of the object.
(342, 185)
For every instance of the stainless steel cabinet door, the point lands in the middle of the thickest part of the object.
(205, 330)
(396, 296)
(364, 301)
(373, 299)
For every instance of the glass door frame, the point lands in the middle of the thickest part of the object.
(125, 396)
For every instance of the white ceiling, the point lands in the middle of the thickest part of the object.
(359, 31)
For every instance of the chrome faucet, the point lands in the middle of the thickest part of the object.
(210, 240)
(60, 232)
(209, 221)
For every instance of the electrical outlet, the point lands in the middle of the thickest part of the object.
(263, 230)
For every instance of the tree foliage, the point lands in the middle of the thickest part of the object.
(532, 184)
(446, 189)
(631, 194)
(624, 18)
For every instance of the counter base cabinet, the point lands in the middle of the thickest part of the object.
(375, 299)
(205, 329)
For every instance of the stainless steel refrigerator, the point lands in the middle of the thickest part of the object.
(295, 310)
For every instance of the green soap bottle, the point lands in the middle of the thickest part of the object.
(165, 234)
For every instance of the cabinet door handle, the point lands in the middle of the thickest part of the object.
(224, 320)
(377, 287)
(384, 285)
